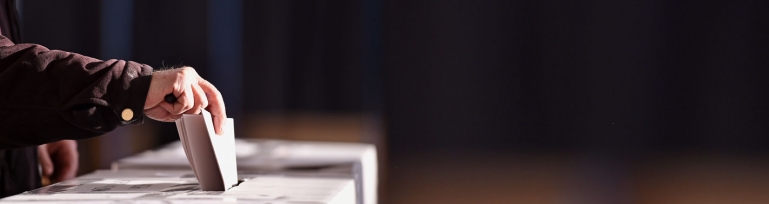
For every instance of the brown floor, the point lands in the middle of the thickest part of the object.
(682, 178)
(475, 180)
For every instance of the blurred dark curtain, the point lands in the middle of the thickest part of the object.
(304, 55)
(610, 76)
(589, 76)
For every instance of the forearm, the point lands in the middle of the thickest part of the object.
(48, 95)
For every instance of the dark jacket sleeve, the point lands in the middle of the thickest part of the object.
(50, 95)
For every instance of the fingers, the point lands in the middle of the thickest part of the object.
(215, 106)
(184, 102)
(45, 160)
(161, 114)
(183, 105)
(201, 101)
(157, 113)
(192, 95)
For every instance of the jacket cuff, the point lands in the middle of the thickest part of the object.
(133, 111)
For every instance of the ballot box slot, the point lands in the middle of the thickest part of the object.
(237, 184)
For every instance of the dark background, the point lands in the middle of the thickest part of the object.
(481, 101)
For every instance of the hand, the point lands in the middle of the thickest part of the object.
(58, 160)
(192, 94)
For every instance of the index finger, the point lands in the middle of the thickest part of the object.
(215, 105)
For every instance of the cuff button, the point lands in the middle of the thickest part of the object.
(127, 114)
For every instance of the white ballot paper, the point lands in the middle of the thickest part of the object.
(211, 156)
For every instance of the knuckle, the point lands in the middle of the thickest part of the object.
(188, 71)
(188, 106)
(179, 109)
(218, 95)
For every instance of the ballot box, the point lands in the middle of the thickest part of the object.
(180, 186)
(258, 156)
